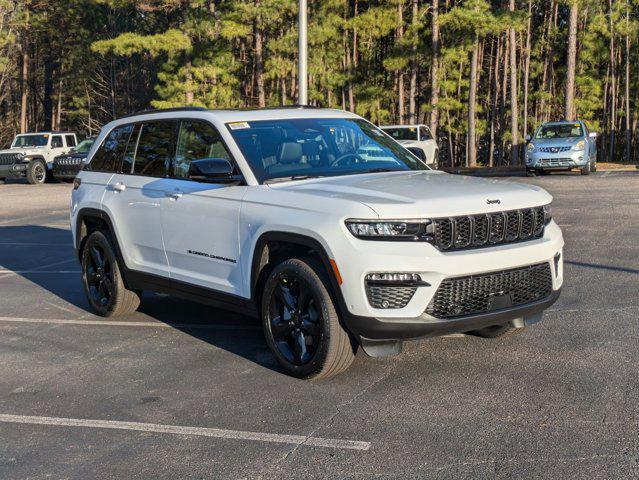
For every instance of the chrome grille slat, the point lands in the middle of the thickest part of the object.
(476, 231)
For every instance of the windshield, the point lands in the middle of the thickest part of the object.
(84, 146)
(30, 141)
(564, 130)
(402, 133)
(281, 149)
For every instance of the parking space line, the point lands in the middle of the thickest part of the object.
(30, 244)
(113, 323)
(194, 431)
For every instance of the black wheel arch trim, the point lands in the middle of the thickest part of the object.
(295, 239)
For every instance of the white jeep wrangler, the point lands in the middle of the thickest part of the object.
(317, 222)
(31, 155)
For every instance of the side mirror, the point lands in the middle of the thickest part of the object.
(592, 134)
(211, 170)
(528, 138)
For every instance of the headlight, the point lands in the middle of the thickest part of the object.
(579, 146)
(547, 214)
(530, 148)
(406, 230)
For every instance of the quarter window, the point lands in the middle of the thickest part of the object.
(155, 149)
(56, 141)
(107, 157)
(424, 134)
(196, 140)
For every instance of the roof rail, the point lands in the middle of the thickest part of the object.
(164, 110)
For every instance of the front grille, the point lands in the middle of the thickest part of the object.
(69, 161)
(556, 162)
(457, 297)
(389, 296)
(554, 149)
(475, 231)
(9, 158)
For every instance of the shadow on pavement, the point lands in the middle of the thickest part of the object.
(231, 331)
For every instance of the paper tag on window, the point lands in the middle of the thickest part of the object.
(239, 125)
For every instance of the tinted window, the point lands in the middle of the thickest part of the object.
(107, 157)
(70, 140)
(155, 149)
(279, 149)
(562, 130)
(196, 140)
(30, 141)
(129, 154)
(402, 133)
(56, 141)
(424, 134)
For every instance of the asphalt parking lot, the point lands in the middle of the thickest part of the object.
(181, 390)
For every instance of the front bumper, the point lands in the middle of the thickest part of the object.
(380, 329)
(66, 171)
(556, 161)
(13, 170)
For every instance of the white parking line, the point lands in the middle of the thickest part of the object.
(196, 431)
(112, 323)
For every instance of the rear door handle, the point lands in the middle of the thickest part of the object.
(174, 194)
(119, 187)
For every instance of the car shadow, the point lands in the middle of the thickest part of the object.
(45, 257)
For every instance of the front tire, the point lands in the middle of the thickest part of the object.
(585, 170)
(301, 324)
(102, 279)
(36, 172)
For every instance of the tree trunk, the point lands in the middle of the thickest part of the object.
(434, 69)
(24, 82)
(514, 114)
(401, 100)
(628, 155)
(613, 90)
(412, 103)
(189, 95)
(471, 155)
(259, 58)
(527, 68)
(571, 62)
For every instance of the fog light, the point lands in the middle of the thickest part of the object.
(404, 279)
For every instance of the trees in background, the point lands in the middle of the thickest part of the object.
(482, 73)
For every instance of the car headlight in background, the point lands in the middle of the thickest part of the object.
(407, 230)
(530, 148)
(580, 146)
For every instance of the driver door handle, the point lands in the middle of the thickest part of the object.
(119, 187)
(174, 194)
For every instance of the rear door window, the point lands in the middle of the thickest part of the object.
(56, 141)
(156, 148)
(108, 156)
(70, 139)
(424, 134)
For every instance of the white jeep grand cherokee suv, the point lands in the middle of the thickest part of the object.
(285, 214)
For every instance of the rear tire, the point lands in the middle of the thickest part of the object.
(36, 172)
(496, 331)
(102, 279)
(301, 324)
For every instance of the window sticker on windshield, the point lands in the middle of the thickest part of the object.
(239, 125)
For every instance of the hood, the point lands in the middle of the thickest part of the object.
(555, 142)
(25, 151)
(433, 194)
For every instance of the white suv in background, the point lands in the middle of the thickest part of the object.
(418, 139)
(31, 155)
(286, 214)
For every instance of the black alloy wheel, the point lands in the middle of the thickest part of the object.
(301, 324)
(98, 272)
(294, 319)
(102, 280)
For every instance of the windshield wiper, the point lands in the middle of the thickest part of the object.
(378, 170)
(292, 178)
